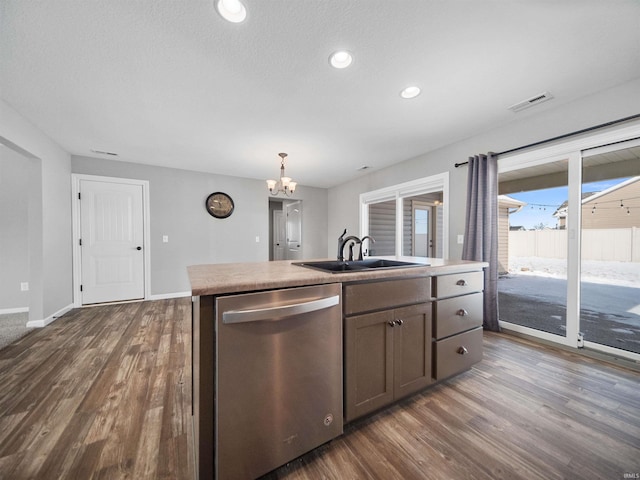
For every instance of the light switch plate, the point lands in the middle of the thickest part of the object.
(24, 286)
(460, 239)
(165, 239)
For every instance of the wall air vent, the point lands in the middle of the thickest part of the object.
(102, 152)
(530, 102)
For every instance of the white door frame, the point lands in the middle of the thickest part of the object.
(75, 219)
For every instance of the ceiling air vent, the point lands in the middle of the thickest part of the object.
(530, 102)
(102, 152)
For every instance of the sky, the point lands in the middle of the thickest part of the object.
(542, 203)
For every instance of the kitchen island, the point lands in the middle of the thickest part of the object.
(402, 329)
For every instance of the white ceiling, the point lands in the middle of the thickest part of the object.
(169, 82)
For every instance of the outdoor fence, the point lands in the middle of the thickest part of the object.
(610, 244)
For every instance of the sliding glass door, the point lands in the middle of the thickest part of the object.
(610, 253)
(532, 285)
(570, 242)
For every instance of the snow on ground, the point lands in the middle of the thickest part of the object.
(594, 271)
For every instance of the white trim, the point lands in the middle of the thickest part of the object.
(7, 311)
(616, 352)
(433, 183)
(532, 332)
(561, 151)
(75, 219)
(50, 318)
(165, 296)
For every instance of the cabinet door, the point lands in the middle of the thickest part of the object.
(412, 349)
(368, 363)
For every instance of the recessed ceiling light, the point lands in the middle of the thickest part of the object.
(340, 59)
(231, 10)
(410, 92)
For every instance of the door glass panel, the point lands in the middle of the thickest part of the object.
(382, 227)
(532, 251)
(422, 225)
(610, 253)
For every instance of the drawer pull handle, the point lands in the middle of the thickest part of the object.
(399, 322)
(461, 283)
(391, 323)
(463, 350)
(462, 312)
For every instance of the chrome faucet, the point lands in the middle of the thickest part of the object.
(371, 239)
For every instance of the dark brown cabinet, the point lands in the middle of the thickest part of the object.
(457, 328)
(403, 334)
(387, 352)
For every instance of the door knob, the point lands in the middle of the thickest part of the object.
(138, 248)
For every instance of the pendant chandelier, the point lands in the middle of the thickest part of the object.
(284, 185)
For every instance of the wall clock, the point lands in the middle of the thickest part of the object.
(219, 205)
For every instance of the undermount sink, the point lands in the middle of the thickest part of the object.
(338, 266)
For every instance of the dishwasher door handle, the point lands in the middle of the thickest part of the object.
(278, 313)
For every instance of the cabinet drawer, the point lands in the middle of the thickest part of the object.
(367, 297)
(456, 354)
(458, 284)
(458, 314)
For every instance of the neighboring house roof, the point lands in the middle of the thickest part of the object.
(561, 211)
(589, 197)
(505, 201)
(516, 228)
(611, 189)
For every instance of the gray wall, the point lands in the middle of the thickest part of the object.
(529, 126)
(14, 229)
(177, 199)
(49, 218)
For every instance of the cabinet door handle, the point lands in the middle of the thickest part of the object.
(391, 323)
(399, 322)
(462, 283)
(462, 312)
(463, 350)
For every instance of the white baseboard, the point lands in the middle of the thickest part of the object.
(49, 319)
(14, 310)
(165, 296)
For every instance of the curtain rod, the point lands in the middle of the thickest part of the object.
(560, 137)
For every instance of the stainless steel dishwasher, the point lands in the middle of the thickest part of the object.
(278, 377)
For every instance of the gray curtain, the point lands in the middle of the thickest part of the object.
(481, 229)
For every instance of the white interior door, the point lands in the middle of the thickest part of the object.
(279, 235)
(112, 241)
(293, 213)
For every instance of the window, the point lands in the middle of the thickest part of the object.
(409, 219)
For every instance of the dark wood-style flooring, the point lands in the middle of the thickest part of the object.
(104, 393)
